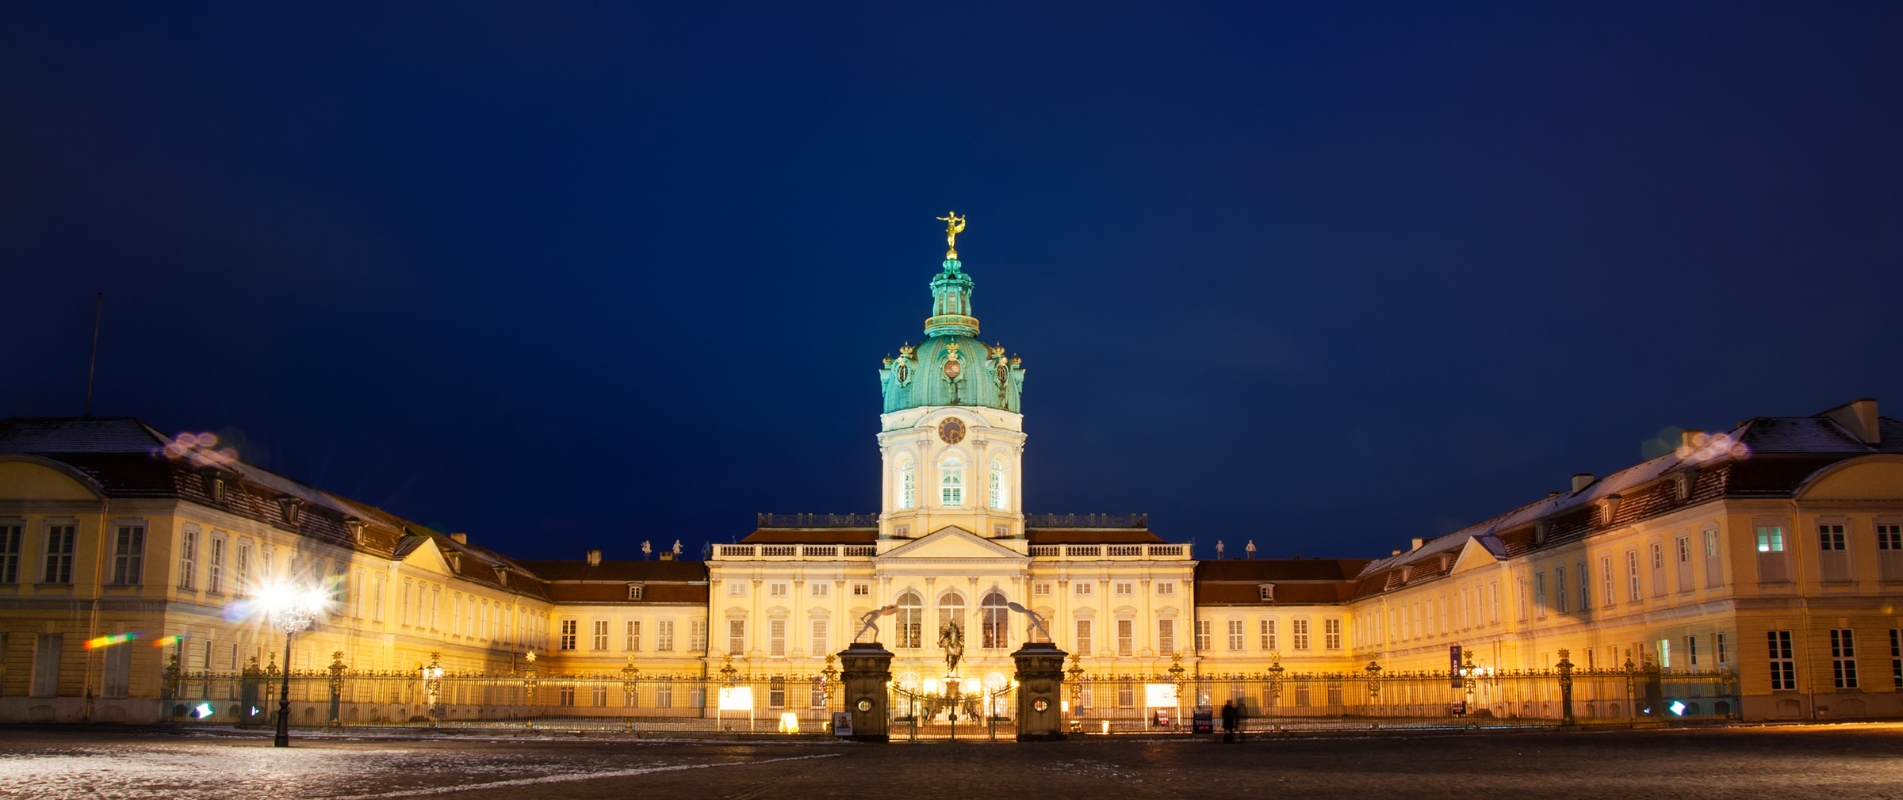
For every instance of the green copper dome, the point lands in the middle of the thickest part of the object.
(952, 367)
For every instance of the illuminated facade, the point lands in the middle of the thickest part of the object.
(1773, 550)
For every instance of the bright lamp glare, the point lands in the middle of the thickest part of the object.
(1678, 708)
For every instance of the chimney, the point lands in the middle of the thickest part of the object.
(459, 538)
(1581, 480)
(594, 558)
(1689, 438)
(667, 555)
(1395, 553)
(1859, 417)
(1417, 544)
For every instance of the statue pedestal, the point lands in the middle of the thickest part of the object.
(1040, 692)
(865, 667)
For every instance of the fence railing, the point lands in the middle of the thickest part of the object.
(605, 702)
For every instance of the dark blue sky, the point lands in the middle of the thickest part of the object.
(1323, 276)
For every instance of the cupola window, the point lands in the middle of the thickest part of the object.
(997, 485)
(951, 483)
(907, 485)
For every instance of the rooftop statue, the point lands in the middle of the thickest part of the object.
(954, 225)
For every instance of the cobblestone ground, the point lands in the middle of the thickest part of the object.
(1785, 761)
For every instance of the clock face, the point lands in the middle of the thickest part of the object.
(951, 431)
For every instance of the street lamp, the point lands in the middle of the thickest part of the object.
(291, 609)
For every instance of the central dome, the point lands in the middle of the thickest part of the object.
(952, 367)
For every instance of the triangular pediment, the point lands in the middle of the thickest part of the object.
(428, 556)
(1473, 555)
(951, 543)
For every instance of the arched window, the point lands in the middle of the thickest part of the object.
(911, 615)
(951, 611)
(997, 485)
(993, 622)
(907, 484)
(951, 483)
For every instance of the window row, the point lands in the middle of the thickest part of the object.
(952, 483)
(660, 635)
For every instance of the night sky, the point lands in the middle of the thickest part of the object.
(1322, 276)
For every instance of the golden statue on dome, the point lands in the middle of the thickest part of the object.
(954, 225)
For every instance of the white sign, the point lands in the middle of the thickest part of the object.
(739, 698)
(1159, 695)
(842, 723)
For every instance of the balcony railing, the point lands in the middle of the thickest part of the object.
(1087, 520)
(819, 520)
(814, 552)
(1092, 551)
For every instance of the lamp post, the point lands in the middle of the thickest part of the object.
(291, 609)
(629, 674)
(433, 684)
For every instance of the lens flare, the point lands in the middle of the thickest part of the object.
(108, 641)
(168, 641)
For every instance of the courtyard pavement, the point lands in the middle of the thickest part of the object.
(1851, 760)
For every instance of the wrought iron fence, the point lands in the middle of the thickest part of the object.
(1276, 699)
(529, 700)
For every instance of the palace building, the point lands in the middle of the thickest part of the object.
(1773, 551)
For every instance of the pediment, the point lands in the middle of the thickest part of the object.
(1473, 555)
(429, 557)
(950, 543)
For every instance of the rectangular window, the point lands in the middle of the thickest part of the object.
(1559, 588)
(776, 637)
(10, 544)
(1632, 576)
(631, 635)
(569, 627)
(215, 571)
(1714, 561)
(1658, 569)
(1783, 666)
(188, 559)
(1124, 589)
(1299, 630)
(1691, 650)
(1040, 590)
(1202, 634)
(1770, 539)
(1266, 628)
(1539, 594)
(1083, 636)
(1165, 587)
(599, 696)
(821, 588)
(1519, 597)
(1833, 562)
(1605, 584)
(46, 656)
(1843, 658)
(1585, 587)
(1083, 588)
(566, 696)
(1896, 657)
(698, 630)
(817, 697)
(1331, 634)
(60, 543)
(776, 590)
(862, 590)
(1493, 602)
(736, 588)
(1235, 634)
(664, 635)
(1665, 654)
(1165, 636)
(776, 693)
(128, 554)
(243, 567)
(1126, 695)
(1126, 637)
(1684, 563)
(820, 642)
(1890, 537)
(736, 636)
(1830, 538)
(1723, 656)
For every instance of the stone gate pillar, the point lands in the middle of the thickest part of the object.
(865, 667)
(1040, 692)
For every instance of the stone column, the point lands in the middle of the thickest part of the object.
(1040, 692)
(865, 667)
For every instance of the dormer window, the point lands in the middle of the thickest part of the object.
(291, 508)
(635, 591)
(1682, 485)
(1539, 532)
(215, 484)
(356, 529)
(1266, 592)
